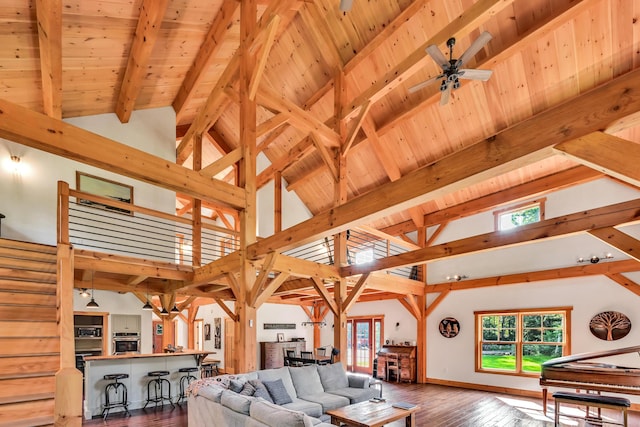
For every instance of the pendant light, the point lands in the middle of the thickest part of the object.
(92, 303)
(147, 306)
(164, 312)
(175, 309)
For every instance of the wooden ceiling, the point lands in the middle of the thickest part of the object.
(75, 58)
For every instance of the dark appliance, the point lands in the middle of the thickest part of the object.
(88, 331)
(125, 342)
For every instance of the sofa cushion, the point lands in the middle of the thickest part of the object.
(278, 392)
(358, 381)
(236, 402)
(280, 373)
(276, 416)
(356, 395)
(306, 380)
(310, 408)
(248, 389)
(260, 390)
(211, 393)
(236, 385)
(327, 400)
(333, 376)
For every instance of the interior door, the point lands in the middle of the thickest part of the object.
(229, 334)
(157, 336)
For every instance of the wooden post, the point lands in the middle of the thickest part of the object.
(277, 202)
(421, 330)
(196, 210)
(68, 395)
(245, 331)
(63, 213)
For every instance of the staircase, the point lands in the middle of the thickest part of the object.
(29, 340)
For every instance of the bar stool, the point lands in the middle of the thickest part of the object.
(114, 388)
(209, 369)
(158, 388)
(185, 380)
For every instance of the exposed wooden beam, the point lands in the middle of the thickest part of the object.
(355, 293)
(90, 260)
(381, 281)
(49, 16)
(216, 269)
(609, 154)
(355, 128)
(436, 302)
(303, 268)
(219, 29)
(271, 287)
(226, 309)
(144, 39)
(36, 130)
(297, 152)
(612, 267)
(524, 143)
(328, 299)
(321, 35)
(258, 71)
(326, 156)
(409, 302)
(269, 125)
(608, 216)
(263, 275)
(222, 163)
(625, 282)
(619, 240)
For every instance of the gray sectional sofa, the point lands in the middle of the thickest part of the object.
(289, 396)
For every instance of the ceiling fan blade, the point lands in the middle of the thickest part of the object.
(425, 83)
(472, 74)
(438, 57)
(444, 98)
(474, 48)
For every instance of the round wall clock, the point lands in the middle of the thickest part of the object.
(610, 325)
(449, 327)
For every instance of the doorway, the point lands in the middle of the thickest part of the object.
(158, 332)
(364, 340)
(198, 334)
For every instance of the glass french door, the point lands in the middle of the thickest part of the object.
(363, 343)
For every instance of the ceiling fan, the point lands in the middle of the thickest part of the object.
(345, 5)
(451, 70)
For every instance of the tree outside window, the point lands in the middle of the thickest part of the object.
(520, 341)
(516, 216)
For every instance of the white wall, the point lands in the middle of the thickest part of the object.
(29, 201)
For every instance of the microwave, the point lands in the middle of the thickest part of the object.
(88, 331)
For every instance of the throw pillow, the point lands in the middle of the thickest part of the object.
(278, 392)
(248, 389)
(236, 386)
(260, 390)
(306, 380)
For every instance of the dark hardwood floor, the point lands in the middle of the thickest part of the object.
(440, 406)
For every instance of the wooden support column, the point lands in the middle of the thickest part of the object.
(421, 330)
(245, 326)
(196, 210)
(68, 396)
(277, 202)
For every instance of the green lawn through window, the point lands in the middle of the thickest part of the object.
(508, 363)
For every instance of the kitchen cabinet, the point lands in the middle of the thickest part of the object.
(126, 323)
(89, 330)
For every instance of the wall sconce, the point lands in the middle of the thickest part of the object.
(14, 165)
(594, 259)
(397, 324)
(457, 277)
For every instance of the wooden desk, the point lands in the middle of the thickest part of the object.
(370, 414)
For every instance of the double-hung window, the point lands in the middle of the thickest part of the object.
(517, 342)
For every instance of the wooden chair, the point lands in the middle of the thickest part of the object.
(321, 351)
(393, 365)
(291, 353)
(307, 355)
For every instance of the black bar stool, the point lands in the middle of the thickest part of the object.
(114, 388)
(158, 387)
(209, 369)
(185, 380)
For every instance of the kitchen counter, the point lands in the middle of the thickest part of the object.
(136, 366)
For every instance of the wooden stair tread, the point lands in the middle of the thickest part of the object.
(17, 275)
(28, 375)
(19, 244)
(26, 398)
(30, 422)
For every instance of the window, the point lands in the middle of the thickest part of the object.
(513, 217)
(520, 341)
(364, 256)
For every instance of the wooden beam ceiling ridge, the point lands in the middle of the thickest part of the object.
(608, 216)
(219, 29)
(619, 240)
(144, 39)
(30, 128)
(523, 143)
(49, 16)
(566, 11)
(609, 154)
(611, 267)
(471, 19)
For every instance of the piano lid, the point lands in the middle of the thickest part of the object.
(590, 355)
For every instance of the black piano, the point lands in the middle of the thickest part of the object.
(576, 372)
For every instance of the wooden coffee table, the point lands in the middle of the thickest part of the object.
(370, 414)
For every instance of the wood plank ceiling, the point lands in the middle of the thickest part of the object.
(117, 56)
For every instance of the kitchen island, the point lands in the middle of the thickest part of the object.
(136, 366)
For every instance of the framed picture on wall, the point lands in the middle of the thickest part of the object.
(280, 337)
(217, 333)
(104, 188)
(207, 331)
